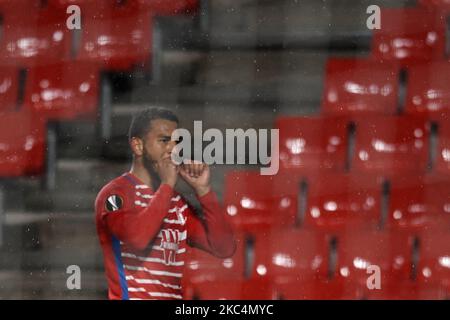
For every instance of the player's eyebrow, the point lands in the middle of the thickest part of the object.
(162, 136)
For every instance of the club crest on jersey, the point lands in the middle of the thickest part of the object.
(169, 243)
(114, 203)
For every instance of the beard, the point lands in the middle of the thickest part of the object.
(149, 165)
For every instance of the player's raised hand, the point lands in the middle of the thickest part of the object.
(197, 175)
(168, 171)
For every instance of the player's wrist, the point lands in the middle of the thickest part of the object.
(169, 183)
(202, 190)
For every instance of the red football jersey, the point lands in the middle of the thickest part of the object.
(144, 234)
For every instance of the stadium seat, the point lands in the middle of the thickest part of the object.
(12, 5)
(63, 91)
(404, 290)
(442, 6)
(434, 259)
(390, 252)
(409, 36)
(360, 86)
(203, 267)
(257, 203)
(9, 89)
(428, 90)
(313, 143)
(290, 254)
(119, 38)
(81, 3)
(230, 290)
(22, 144)
(391, 145)
(418, 203)
(156, 7)
(32, 36)
(315, 289)
(442, 165)
(340, 202)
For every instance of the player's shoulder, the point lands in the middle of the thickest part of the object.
(118, 185)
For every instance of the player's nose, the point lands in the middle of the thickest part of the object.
(170, 146)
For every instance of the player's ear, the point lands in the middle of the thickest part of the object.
(137, 146)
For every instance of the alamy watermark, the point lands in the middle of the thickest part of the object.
(374, 20)
(222, 146)
(73, 282)
(374, 280)
(73, 22)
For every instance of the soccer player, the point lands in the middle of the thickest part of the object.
(144, 225)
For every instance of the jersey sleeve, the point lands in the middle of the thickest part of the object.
(133, 225)
(212, 233)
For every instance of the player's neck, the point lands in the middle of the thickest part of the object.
(140, 172)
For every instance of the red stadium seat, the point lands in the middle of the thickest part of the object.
(22, 144)
(230, 290)
(339, 202)
(404, 290)
(442, 165)
(428, 91)
(390, 252)
(314, 289)
(157, 7)
(360, 86)
(409, 36)
(442, 6)
(11, 5)
(118, 37)
(9, 88)
(82, 3)
(391, 145)
(290, 254)
(203, 267)
(434, 259)
(32, 36)
(418, 203)
(63, 90)
(313, 143)
(255, 203)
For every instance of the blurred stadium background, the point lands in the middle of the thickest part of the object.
(364, 139)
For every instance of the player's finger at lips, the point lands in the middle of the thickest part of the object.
(198, 169)
(189, 169)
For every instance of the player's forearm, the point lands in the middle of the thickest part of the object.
(139, 229)
(219, 232)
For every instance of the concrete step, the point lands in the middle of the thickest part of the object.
(292, 23)
(41, 241)
(242, 78)
(51, 284)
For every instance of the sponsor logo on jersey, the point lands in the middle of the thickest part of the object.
(169, 243)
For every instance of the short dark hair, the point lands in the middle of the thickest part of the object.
(141, 122)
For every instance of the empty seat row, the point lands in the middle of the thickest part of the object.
(117, 36)
(158, 7)
(382, 144)
(60, 91)
(310, 290)
(336, 202)
(408, 36)
(31, 98)
(295, 264)
(441, 6)
(367, 86)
